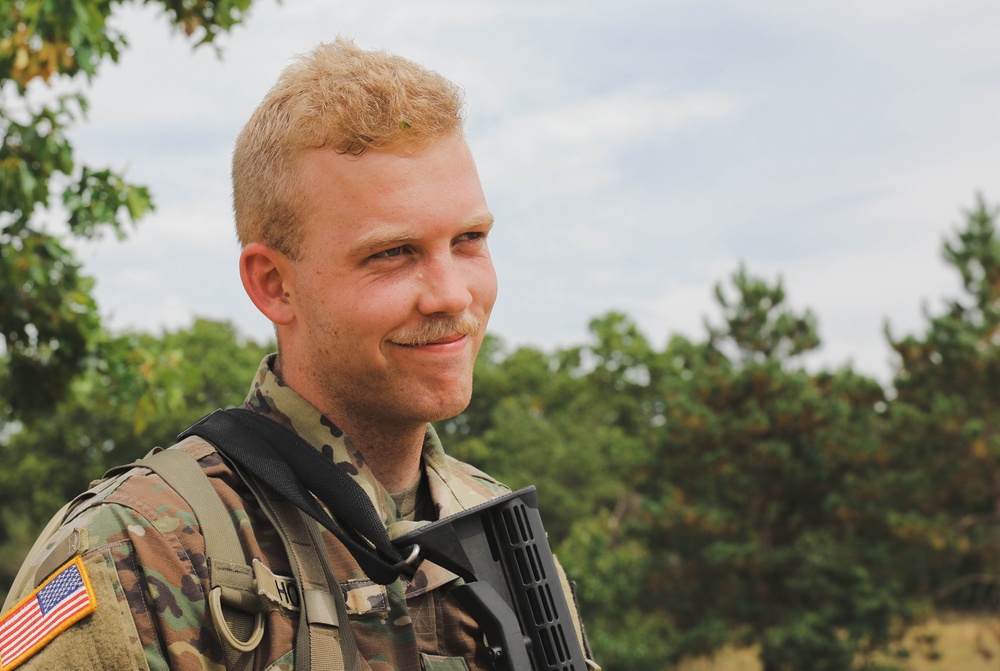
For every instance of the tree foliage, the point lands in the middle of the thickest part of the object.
(70, 394)
(759, 498)
(48, 319)
(945, 430)
(757, 324)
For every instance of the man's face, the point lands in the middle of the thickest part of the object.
(394, 285)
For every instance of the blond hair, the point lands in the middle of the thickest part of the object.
(337, 97)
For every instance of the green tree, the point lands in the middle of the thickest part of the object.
(754, 522)
(48, 318)
(756, 325)
(945, 430)
(140, 393)
(706, 494)
(539, 419)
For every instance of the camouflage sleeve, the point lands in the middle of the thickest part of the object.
(147, 567)
(105, 638)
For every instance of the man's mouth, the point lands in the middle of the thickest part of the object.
(447, 340)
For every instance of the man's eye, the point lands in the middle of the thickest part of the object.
(389, 253)
(471, 236)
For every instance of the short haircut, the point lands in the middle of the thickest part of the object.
(337, 97)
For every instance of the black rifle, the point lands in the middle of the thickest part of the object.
(511, 587)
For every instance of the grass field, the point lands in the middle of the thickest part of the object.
(962, 644)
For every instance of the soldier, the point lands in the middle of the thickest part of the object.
(364, 231)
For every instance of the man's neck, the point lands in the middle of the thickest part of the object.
(392, 451)
(393, 456)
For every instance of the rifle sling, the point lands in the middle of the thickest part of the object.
(297, 471)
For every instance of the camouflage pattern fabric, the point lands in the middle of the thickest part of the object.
(142, 540)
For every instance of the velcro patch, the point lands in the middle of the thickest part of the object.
(277, 589)
(62, 600)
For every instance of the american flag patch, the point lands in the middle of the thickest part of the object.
(57, 604)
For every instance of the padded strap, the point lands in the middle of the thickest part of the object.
(288, 464)
(346, 645)
(180, 470)
(326, 642)
(229, 573)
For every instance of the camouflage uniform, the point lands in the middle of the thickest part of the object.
(145, 556)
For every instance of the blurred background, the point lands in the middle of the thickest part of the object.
(747, 343)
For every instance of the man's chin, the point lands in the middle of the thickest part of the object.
(451, 410)
(450, 414)
(439, 407)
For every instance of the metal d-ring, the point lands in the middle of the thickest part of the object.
(414, 553)
(409, 565)
(215, 607)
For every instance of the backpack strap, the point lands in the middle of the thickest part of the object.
(325, 642)
(285, 462)
(233, 599)
(234, 602)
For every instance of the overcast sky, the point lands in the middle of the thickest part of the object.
(634, 153)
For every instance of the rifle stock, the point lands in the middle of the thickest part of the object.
(511, 587)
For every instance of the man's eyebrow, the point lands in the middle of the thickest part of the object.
(480, 220)
(387, 239)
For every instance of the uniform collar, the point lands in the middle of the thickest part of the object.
(270, 397)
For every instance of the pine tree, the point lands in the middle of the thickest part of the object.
(757, 498)
(945, 431)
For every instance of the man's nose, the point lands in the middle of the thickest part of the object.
(445, 288)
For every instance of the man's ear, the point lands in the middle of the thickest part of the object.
(266, 275)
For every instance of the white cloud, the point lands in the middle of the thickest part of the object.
(577, 147)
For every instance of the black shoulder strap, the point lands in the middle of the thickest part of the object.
(295, 469)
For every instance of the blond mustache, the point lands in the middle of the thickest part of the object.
(439, 328)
